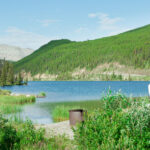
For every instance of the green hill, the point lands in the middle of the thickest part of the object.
(62, 57)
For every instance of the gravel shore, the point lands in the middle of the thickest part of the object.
(56, 129)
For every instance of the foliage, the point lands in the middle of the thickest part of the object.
(61, 57)
(12, 104)
(123, 124)
(42, 94)
(7, 76)
(8, 135)
(60, 111)
(32, 135)
(5, 92)
(9, 108)
(16, 99)
(24, 136)
(114, 102)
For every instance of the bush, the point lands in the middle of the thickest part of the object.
(115, 101)
(8, 135)
(42, 94)
(24, 136)
(123, 124)
(29, 135)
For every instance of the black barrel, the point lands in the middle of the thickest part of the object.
(76, 116)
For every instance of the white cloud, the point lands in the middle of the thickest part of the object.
(25, 39)
(47, 22)
(105, 26)
(92, 15)
(105, 21)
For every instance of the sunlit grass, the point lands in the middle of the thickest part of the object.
(16, 99)
(60, 111)
(9, 108)
(12, 104)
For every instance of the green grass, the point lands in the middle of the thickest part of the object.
(5, 92)
(62, 57)
(11, 104)
(24, 136)
(114, 122)
(20, 135)
(16, 99)
(42, 94)
(9, 108)
(60, 111)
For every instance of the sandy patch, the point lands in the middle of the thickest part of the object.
(56, 129)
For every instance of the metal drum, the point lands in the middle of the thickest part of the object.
(76, 116)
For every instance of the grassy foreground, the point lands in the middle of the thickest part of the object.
(19, 135)
(115, 123)
(23, 136)
(123, 124)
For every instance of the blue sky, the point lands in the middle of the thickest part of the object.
(32, 23)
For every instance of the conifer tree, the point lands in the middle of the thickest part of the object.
(10, 75)
(7, 76)
(19, 79)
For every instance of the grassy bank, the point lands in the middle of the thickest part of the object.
(18, 135)
(12, 104)
(114, 122)
(60, 111)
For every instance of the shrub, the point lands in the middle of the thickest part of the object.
(8, 135)
(24, 136)
(115, 101)
(42, 94)
(123, 124)
(29, 135)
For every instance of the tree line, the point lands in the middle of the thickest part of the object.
(7, 76)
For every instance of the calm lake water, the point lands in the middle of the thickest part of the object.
(59, 91)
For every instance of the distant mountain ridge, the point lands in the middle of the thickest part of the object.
(13, 53)
(66, 60)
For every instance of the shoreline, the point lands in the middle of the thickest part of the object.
(57, 129)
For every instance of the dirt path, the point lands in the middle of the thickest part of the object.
(55, 129)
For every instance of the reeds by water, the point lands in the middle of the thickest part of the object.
(11, 104)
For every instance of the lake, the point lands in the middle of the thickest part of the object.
(60, 91)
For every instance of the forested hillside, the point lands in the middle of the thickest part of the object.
(59, 57)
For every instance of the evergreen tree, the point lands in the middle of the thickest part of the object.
(19, 79)
(7, 74)
(10, 75)
(26, 81)
(3, 73)
(2, 78)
